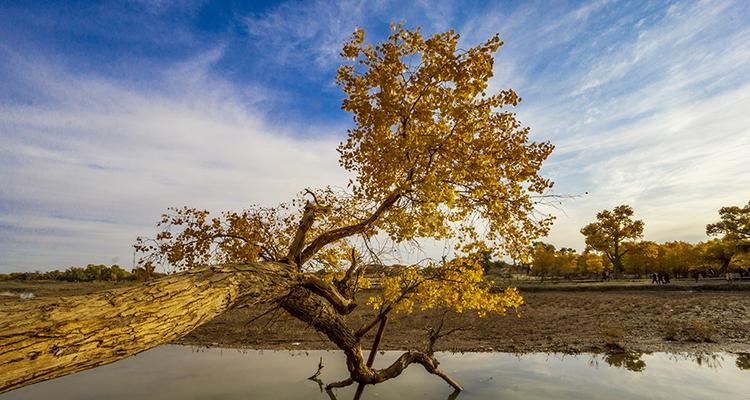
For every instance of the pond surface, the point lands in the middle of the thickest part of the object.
(181, 372)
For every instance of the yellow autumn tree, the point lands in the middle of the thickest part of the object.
(432, 155)
(611, 233)
(641, 258)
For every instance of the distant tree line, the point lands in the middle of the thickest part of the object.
(680, 259)
(546, 261)
(613, 244)
(89, 273)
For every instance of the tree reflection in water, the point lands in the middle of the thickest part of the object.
(743, 361)
(703, 359)
(629, 360)
(633, 361)
(358, 392)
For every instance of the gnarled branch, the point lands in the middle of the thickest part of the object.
(346, 231)
(347, 286)
(315, 284)
(295, 249)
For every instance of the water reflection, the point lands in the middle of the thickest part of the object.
(626, 359)
(359, 393)
(177, 372)
(633, 361)
(702, 359)
(743, 361)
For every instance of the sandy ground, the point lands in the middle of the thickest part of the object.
(589, 317)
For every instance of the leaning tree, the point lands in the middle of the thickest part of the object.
(431, 155)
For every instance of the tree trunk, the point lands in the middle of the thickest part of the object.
(617, 266)
(316, 312)
(48, 338)
(373, 354)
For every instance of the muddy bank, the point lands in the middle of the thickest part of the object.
(551, 321)
(564, 317)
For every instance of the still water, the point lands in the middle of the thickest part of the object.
(181, 372)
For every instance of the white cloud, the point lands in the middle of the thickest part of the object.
(95, 163)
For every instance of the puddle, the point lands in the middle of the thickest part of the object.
(183, 372)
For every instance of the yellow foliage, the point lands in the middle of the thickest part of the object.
(433, 156)
(457, 285)
(427, 132)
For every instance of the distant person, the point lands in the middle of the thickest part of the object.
(654, 280)
(666, 278)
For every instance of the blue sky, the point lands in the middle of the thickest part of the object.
(111, 112)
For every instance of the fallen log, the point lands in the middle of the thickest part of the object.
(47, 338)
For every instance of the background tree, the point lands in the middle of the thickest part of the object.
(679, 258)
(610, 231)
(567, 261)
(547, 261)
(734, 224)
(543, 261)
(720, 253)
(640, 258)
(590, 263)
(432, 155)
(734, 247)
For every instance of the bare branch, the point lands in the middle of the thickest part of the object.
(312, 194)
(340, 233)
(308, 218)
(429, 363)
(314, 283)
(436, 333)
(347, 286)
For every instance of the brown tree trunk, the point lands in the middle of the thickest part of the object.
(305, 306)
(48, 338)
(373, 354)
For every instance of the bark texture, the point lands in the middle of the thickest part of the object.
(44, 339)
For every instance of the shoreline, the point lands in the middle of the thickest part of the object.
(568, 321)
(564, 317)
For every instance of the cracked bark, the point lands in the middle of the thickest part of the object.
(44, 339)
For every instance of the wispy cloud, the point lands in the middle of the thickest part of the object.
(300, 32)
(654, 119)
